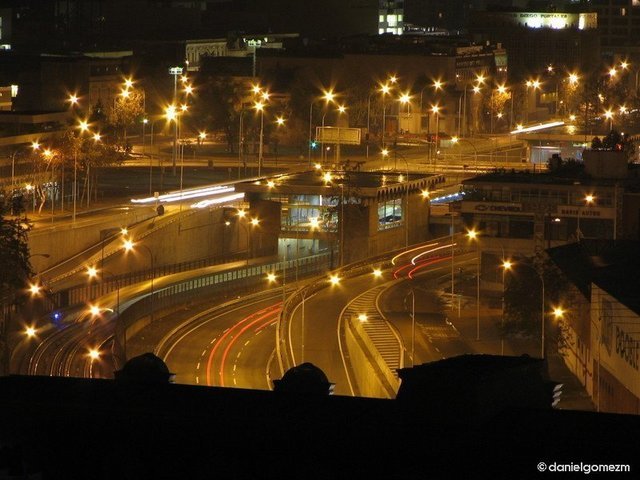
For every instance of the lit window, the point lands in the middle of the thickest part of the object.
(381, 31)
(392, 20)
(381, 19)
(623, 12)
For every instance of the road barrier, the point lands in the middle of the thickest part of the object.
(221, 284)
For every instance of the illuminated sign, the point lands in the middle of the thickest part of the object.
(586, 212)
(175, 70)
(491, 207)
(554, 20)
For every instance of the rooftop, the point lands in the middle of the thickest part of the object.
(603, 262)
(364, 184)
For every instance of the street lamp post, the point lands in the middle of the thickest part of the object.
(472, 235)
(261, 139)
(589, 200)
(128, 245)
(542, 309)
(413, 327)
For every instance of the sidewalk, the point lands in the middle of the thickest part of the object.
(574, 395)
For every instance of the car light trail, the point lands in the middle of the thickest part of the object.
(413, 260)
(261, 314)
(218, 201)
(535, 128)
(393, 260)
(426, 264)
(185, 194)
(270, 316)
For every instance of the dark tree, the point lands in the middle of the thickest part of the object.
(15, 268)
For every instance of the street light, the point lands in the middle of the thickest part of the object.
(128, 246)
(384, 90)
(328, 98)
(608, 114)
(506, 265)
(542, 310)
(83, 126)
(472, 235)
(259, 106)
(435, 109)
(589, 199)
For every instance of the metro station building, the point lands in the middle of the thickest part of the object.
(352, 214)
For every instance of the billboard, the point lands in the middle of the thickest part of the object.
(338, 135)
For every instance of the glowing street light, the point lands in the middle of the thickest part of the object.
(558, 312)
(472, 235)
(362, 317)
(30, 332)
(271, 277)
(128, 245)
(92, 272)
(314, 222)
(93, 354)
(255, 222)
(34, 289)
(377, 273)
(573, 79)
(334, 279)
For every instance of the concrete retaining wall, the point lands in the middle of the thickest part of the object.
(373, 376)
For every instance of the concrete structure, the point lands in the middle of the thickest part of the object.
(357, 214)
(44, 82)
(597, 199)
(363, 63)
(535, 40)
(601, 341)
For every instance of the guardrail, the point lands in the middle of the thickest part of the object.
(382, 261)
(222, 284)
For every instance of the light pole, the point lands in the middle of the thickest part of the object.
(542, 310)
(589, 200)
(241, 142)
(455, 140)
(506, 265)
(128, 246)
(413, 327)
(175, 71)
(83, 126)
(472, 235)
(384, 89)
(608, 114)
(435, 109)
(328, 98)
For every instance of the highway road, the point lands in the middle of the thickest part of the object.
(228, 346)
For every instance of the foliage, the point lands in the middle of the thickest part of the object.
(523, 295)
(218, 106)
(127, 110)
(15, 267)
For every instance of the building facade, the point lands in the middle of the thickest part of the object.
(356, 215)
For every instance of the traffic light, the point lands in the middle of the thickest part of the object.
(314, 144)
